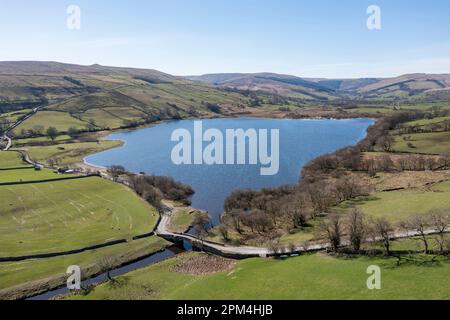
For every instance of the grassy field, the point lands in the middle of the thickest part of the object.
(24, 273)
(314, 276)
(64, 215)
(40, 140)
(181, 221)
(69, 153)
(60, 120)
(397, 205)
(27, 175)
(11, 159)
(426, 122)
(425, 143)
(12, 117)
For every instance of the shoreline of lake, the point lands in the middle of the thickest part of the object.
(346, 136)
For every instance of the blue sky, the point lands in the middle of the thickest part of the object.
(321, 38)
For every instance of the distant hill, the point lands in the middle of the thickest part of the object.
(271, 83)
(418, 86)
(84, 90)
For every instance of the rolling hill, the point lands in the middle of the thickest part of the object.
(107, 97)
(284, 85)
(412, 86)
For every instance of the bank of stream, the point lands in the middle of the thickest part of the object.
(116, 272)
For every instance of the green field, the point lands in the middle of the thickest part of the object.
(45, 272)
(11, 159)
(69, 153)
(425, 143)
(114, 117)
(64, 215)
(39, 140)
(28, 175)
(315, 276)
(426, 122)
(12, 117)
(60, 120)
(397, 205)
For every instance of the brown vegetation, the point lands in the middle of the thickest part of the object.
(203, 265)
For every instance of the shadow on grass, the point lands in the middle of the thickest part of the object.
(359, 202)
(118, 283)
(397, 259)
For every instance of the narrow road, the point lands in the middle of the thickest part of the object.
(16, 124)
(245, 251)
(8, 142)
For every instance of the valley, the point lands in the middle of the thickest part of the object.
(399, 171)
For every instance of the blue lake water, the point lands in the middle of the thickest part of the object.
(149, 150)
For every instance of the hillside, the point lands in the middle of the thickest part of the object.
(419, 85)
(107, 97)
(414, 86)
(285, 85)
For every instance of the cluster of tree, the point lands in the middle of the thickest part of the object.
(154, 189)
(4, 124)
(326, 182)
(378, 134)
(411, 162)
(213, 107)
(288, 207)
(355, 229)
(443, 126)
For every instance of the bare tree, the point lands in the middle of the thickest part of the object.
(385, 143)
(116, 171)
(106, 264)
(294, 208)
(382, 230)
(201, 226)
(420, 224)
(356, 228)
(223, 230)
(440, 220)
(332, 230)
(236, 218)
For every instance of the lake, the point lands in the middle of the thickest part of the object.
(149, 150)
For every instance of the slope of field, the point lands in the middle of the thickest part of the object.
(10, 159)
(60, 120)
(398, 205)
(426, 143)
(272, 83)
(425, 86)
(307, 277)
(104, 97)
(64, 215)
(15, 176)
(35, 275)
(69, 153)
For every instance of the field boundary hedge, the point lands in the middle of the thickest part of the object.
(47, 180)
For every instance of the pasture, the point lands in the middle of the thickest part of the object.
(24, 175)
(64, 215)
(34, 274)
(69, 153)
(11, 159)
(424, 143)
(315, 276)
(60, 120)
(397, 205)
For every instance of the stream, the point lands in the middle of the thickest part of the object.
(142, 263)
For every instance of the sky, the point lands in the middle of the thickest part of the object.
(307, 38)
